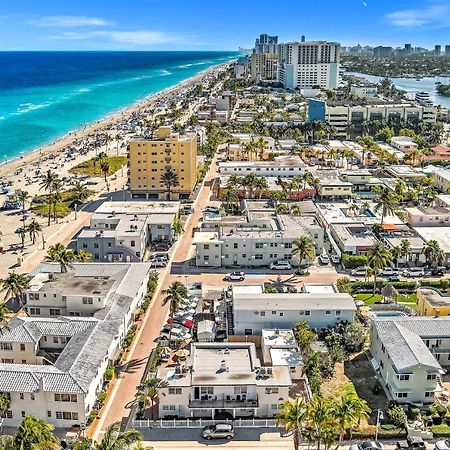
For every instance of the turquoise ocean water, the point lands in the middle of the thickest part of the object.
(44, 95)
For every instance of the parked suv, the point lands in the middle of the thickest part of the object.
(280, 265)
(359, 271)
(414, 272)
(235, 276)
(218, 431)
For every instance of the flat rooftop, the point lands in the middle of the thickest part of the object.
(439, 234)
(139, 207)
(434, 297)
(279, 338)
(320, 288)
(354, 234)
(285, 357)
(428, 211)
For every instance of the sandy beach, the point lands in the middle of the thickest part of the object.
(70, 150)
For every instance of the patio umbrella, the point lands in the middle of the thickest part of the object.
(185, 342)
(165, 350)
(183, 353)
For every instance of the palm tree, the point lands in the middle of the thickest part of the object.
(4, 320)
(15, 284)
(386, 203)
(303, 248)
(48, 183)
(33, 433)
(83, 256)
(377, 258)
(55, 197)
(104, 167)
(319, 416)
(117, 138)
(80, 192)
(433, 252)
(177, 228)
(23, 197)
(108, 139)
(282, 208)
(113, 439)
(22, 233)
(34, 228)
(304, 335)
(261, 186)
(148, 391)
(60, 254)
(405, 248)
(169, 179)
(230, 197)
(296, 210)
(293, 416)
(5, 402)
(174, 295)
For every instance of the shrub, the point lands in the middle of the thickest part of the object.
(270, 291)
(353, 261)
(109, 374)
(414, 413)
(438, 284)
(441, 410)
(93, 415)
(397, 415)
(101, 397)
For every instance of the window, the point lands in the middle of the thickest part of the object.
(259, 245)
(206, 247)
(64, 298)
(55, 339)
(55, 312)
(338, 313)
(6, 346)
(95, 245)
(235, 245)
(88, 300)
(262, 314)
(49, 414)
(429, 394)
(258, 256)
(248, 331)
(281, 314)
(271, 390)
(7, 360)
(328, 312)
(431, 376)
(168, 407)
(275, 406)
(133, 243)
(175, 391)
(21, 396)
(23, 413)
(206, 390)
(32, 397)
(403, 377)
(66, 415)
(401, 394)
(307, 313)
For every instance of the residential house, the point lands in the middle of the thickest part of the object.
(432, 302)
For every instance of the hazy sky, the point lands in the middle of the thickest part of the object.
(216, 24)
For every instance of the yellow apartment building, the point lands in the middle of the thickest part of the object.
(149, 159)
(431, 302)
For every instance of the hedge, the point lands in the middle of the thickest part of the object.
(443, 284)
(442, 430)
(367, 286)
(353, 261)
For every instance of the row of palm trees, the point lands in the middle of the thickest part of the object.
(35, 434)
(324, 419)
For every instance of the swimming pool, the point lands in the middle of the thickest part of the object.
(388, 313)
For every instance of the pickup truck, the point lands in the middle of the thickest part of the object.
(411, 443)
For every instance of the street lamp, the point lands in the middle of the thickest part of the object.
(380, 416)
(76, 206)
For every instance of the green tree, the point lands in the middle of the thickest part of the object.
(33, 434)
(15, 285)
(303, 248)
(433, 253)
(230, 197)
(34, 228)
(23, 197)
(80, 192)
(169, 180)
(114, 439)
(304, 335)
(377, 258)
(47, 183)
(148, 391)
(177, 228)
(293, 416)
(174, 295)
(83, 256)
(386, 203)
(60, 254)
(4, 320)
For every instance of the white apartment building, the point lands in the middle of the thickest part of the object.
(309, 64)
(432, 216)
(264, 66)
(53, 368)
(280, 348)
(262, 237)
(403, 143)
(352, 238)
(253, 312)
(225, 378)
(281, 166)
(407, 354)
(441, 180)
(364, 91)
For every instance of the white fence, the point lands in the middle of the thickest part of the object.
(200, 423)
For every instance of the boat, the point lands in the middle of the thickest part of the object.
(423, 98)
(418, 78)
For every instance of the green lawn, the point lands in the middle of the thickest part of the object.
(87, 167)
(63, 208)
(407, 300)
(441, 430)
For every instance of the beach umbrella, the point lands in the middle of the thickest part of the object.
(183, 353)
(165, 350)
(185, 342)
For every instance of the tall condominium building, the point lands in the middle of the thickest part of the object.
(266, 44)
(309, 64)
(264, 66)
(383, 52)
(149, 159)
(437, 50)
(447, 50)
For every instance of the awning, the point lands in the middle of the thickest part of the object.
(389, 227)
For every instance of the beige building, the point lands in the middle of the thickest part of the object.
(264, 66)
(149, 159)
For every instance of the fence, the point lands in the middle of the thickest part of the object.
(200, 423)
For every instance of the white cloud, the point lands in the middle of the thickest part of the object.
(436, 15)
(69, 22)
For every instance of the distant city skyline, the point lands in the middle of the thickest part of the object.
(198, 25)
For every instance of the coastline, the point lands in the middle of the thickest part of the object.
(9, 166)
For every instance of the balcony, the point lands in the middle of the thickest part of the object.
(224, 401)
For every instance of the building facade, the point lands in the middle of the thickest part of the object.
(149, 159)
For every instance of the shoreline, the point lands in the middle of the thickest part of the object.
(30, 156)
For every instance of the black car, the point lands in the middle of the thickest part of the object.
(438, 271)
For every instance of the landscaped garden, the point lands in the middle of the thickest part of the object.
(97, 166)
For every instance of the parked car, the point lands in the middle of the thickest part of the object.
(393, 279)
(336, 259)
(442, 445)
(218, 431)
(235, 276)
(411, 443)
(367, 445)
(158, 262)
(324, 259)
(360, 271)
(388, 271)
(161, 246)
(211, 209)
(438, 271)
(282, 264)
(160, 256)
(414, 272)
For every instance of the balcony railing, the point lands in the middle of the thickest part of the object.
(223, 402)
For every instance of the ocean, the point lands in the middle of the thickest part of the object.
(411, 86)
(44, 95)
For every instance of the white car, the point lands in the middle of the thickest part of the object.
(442, 445)
(280, 265)
(360, 271)
(414, 272)
(235, 276)
(336, 259)
(388, 272)
(324, 259)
